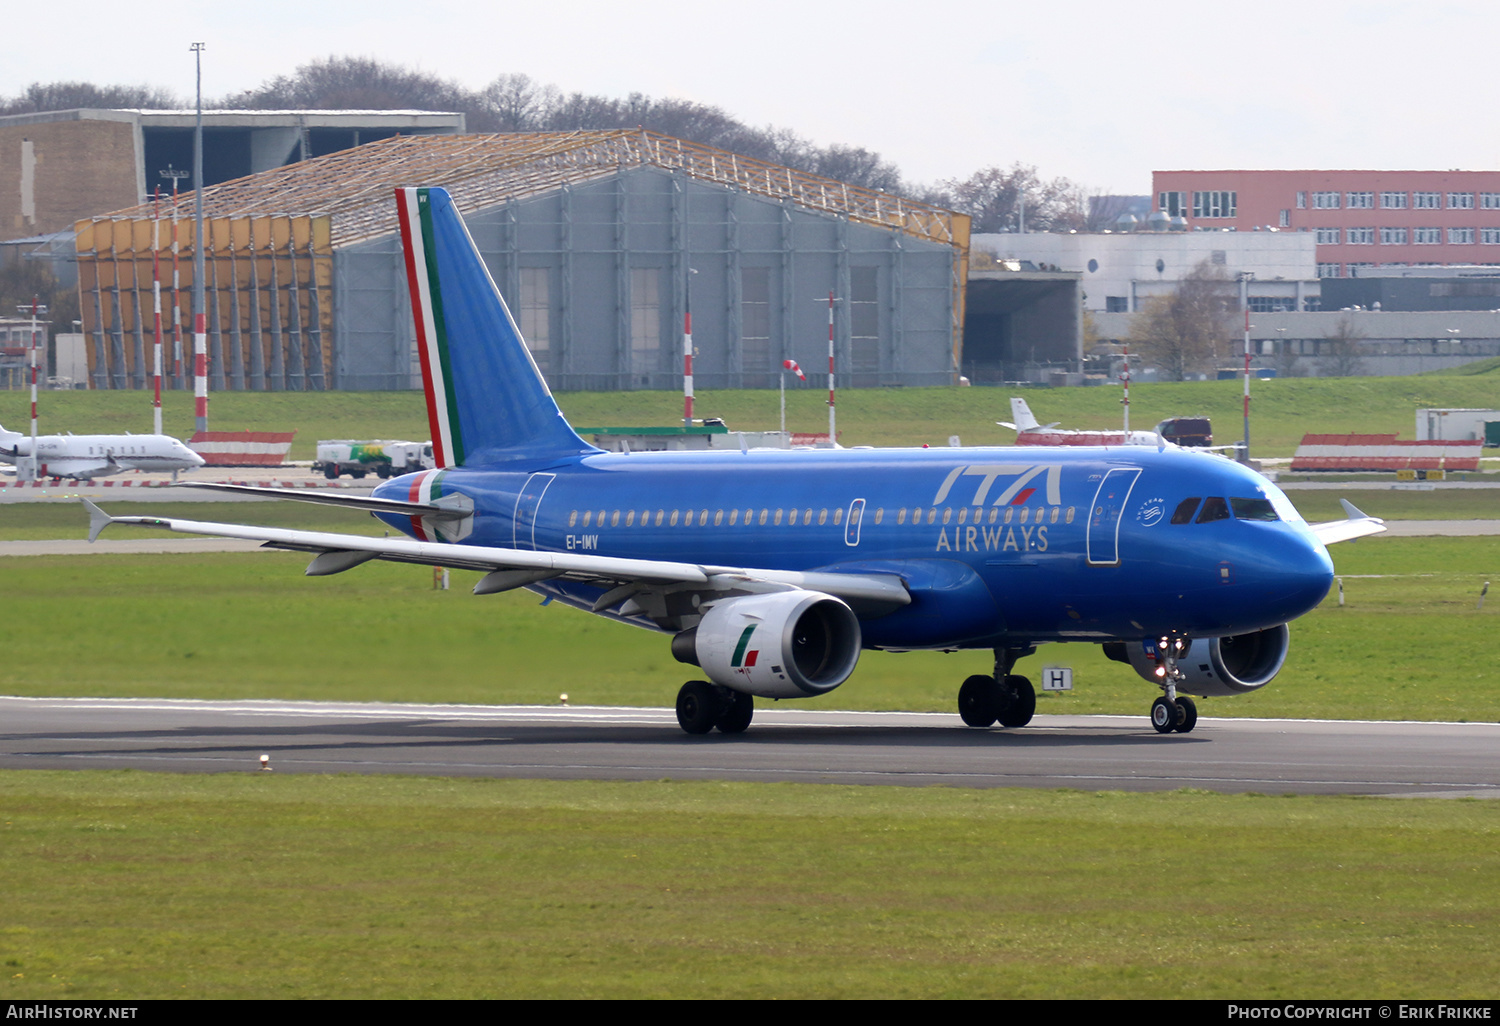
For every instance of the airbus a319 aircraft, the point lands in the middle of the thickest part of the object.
(85, 457)
(773, 570)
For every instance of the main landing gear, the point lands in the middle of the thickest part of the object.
(1172, 712)
(702, 706)
(1006, 698)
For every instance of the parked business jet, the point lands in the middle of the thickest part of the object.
(773, 570)
(1031, 432)
(84, 457)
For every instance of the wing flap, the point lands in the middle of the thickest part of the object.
(449, 507)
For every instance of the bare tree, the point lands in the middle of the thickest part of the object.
(45, 96)
(1186, 331)
(356, 83)
(1341, 351)
(513, 103)
(992, 197)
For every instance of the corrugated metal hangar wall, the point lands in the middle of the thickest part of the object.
(592, 237)
(596, 274)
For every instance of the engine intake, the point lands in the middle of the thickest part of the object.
(786, 644)
(1232, 665)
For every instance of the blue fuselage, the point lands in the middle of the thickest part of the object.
(997, 546)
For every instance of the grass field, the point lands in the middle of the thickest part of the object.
(1283, 410)
(129, 885)
(1408, 644)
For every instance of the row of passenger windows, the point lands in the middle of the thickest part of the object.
(1215, 507)
(777, 517)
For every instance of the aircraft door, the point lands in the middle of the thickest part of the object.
(851, 525)
(523, 527)
(1103, 540)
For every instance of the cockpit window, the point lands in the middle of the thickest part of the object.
(1253, 509)
(1214, 508)
(1185, 510)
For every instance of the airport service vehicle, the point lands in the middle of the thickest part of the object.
(774, 570)
(383, 458)
(85, 457)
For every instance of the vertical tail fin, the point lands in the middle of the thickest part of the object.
(486, 400)
(1025, 420)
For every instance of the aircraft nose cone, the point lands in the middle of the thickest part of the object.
(1304, 574)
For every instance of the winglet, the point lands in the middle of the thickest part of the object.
(98, 519)
(1357, 525)
(1353, 512)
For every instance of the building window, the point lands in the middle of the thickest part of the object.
(1354, 269)
(1325, 201)
(1426, 200)
(1273, 304)
(1116, 304)
(1460, 201)
(1286, 219)
(1361, 201)
(1427, 236)
(1301, 201)
(1489, 236)
(1173, 204)
(1393, 236)
(755, 326)
(536, 311)
(1393, 201)
(1214, 204)
(1328, 236)
(1328, 270)
(864, 325)
(1489, 201)
(1460, 236)
(645, 320)
(1359, 236)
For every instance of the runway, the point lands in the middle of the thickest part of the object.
(784, 744)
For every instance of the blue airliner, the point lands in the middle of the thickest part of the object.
(773, 571)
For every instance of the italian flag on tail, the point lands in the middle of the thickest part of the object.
(415, 215)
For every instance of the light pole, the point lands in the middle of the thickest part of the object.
(1245, 277)
(200, 329)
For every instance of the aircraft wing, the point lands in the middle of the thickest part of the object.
(80, 469)
(454, 507)
(1357, 525)
(869, 594)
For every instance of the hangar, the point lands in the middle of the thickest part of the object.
(599, 241)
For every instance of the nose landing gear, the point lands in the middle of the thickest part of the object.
(1172, 712)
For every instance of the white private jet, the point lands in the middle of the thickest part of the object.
(84, 457)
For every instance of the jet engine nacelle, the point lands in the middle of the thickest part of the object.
(1233, 665)
(785, 644)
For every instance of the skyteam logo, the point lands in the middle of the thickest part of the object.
(1151, 512)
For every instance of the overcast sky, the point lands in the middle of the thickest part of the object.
(1100, 93)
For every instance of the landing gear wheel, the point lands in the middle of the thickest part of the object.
(1187, 714)
(698, 707)
(1022, 703)
(736, 713)
(1164, 715)
(979, 701)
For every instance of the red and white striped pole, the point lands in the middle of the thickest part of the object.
(176, 299)
(832, 433)
(35, 465)
(1246, 456)
(156, 307)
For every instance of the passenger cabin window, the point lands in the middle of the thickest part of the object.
(1253, 509)
(1214, 508)
(1185, 510)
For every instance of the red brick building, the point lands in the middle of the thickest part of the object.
(1361, 218)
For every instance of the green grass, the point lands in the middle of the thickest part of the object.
(126, 886)
(1283, 410)
(1407, 645)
